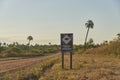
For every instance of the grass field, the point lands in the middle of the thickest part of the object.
(85, 67)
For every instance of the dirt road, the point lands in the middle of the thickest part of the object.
(10, 64)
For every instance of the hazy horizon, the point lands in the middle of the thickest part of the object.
(45, 20)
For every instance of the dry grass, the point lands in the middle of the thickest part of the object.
(110, 49)
(85, 67)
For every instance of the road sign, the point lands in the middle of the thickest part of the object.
(67, 42)
(67, 46)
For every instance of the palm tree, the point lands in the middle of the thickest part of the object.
(89, 24)
(29, 38)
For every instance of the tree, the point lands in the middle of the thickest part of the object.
(4, 44)
(0, 44)
(49, 43)
(89, 24)
(29, 38)
(105, 42)
(0, 47)
(118, 36)
(90, 42)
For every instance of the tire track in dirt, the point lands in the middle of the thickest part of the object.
(10, 65)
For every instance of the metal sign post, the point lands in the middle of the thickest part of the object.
(70, 60)
(62, 60)
(67, 46)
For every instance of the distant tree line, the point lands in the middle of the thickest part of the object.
(16, 49)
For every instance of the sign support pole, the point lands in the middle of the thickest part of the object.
(70, 60)
(62, 60)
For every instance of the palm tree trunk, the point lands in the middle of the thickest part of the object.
(86, 39)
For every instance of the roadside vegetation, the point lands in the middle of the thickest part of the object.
(110, 48)
(85, 67)
(21, 50)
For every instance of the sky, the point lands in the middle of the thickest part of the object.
(45, 20)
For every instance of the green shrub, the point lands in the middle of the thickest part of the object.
(35, 51)
(13, 51)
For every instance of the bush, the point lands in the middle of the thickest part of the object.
(35, 51)
(13, 51)
(21, 50)
(113, 48)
